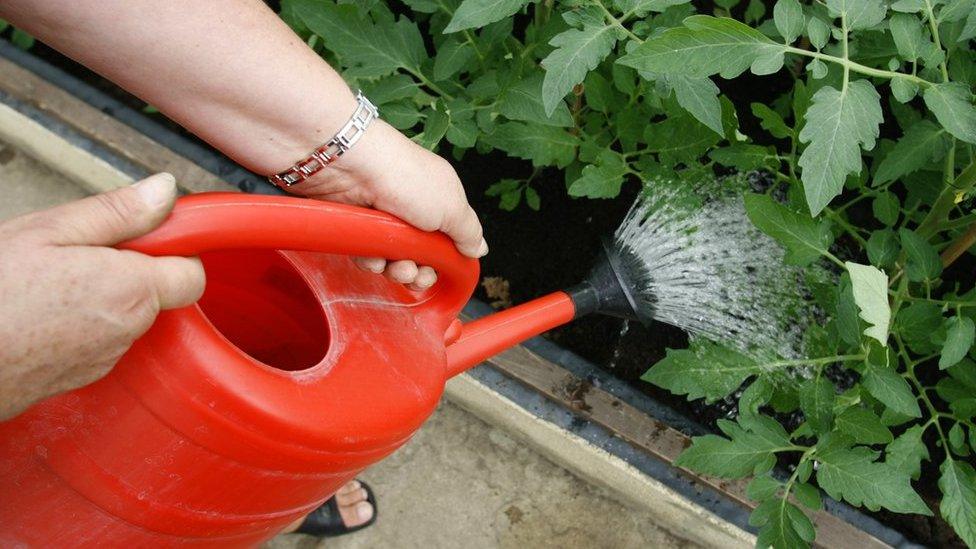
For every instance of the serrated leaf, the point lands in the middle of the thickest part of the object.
(699, 96)
(864, 426)
(958, 506)
(771, 121)
(860, 14)
(543, 145)
(463, 133)
(804, 239)
(839, 123)
(922, 144)
(642, 7)
(434, 129)
(577, 52)
(782, 525)
(952, 105)
(789, 19)
(891, 389)
(906, 30)
(366, 49)
(598, 93)
(969, 29)
(478, 13)
(452, 56)
(742, 156)
(706, 370)
(960, 334)
(923, 262)
(601, 181)
(762, 487)
(523, 102)
(883, 248)
(870, 288)
(704, 46)
(907, 451)
(817, 402)
(852, 474)
(886, 208)
(733, 457)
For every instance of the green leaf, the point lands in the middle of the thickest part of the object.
(736, 456)
(702, 47)
(852, 474)
(642, 7)
(742, 156)
(923, 260)
(871, 295)
(782, 525)
(22, 39)
(762, 487)
(864, 426)
(602, 180)
(907, 452)
(886, 208)
(860, 14)
(478, 13)
(817, 402)
(366, 49)
(463, 133)
(699, 96)
(958, 506)
(922, 144)
(952, 105)
(523, 102)
(883, 248)
(577, 52)
(705, 370)
(960, 333)
(847, 319)
(903, 89)
(917, 322)
(789, 19)
(908, 6)
(599, 95)
(818, 31)
(434, 129)
(808, 495)
(906, 30)
(452, 56)
(532, 198)
(838, 125)
(771, 121)
(969, 30)
(891, 389)
(543, 145)
(804, 239)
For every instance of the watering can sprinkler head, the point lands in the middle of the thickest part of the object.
(611, 286)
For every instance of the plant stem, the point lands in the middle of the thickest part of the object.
(847, 68)
(814, 361)
(935, 37)
(857, 67)
(618, 22)
(963, 184)
(959, 246)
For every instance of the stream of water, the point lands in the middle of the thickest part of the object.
(710, 272)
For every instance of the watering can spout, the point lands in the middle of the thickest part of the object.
(490, 335)
(607, 290)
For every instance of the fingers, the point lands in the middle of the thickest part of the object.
(462, 225)
(112, 217)
(371, 264)
(403, 272)
(173, 282)
(418, 278)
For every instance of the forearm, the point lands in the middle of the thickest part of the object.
(228, 70)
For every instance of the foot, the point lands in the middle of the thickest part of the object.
(355, 510)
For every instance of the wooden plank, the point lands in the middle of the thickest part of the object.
(115, 136)
(652, 436)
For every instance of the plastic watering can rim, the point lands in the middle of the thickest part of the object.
(220, 221)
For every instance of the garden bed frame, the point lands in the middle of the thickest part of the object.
(563, 406)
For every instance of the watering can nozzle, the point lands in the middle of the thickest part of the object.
(610, 287)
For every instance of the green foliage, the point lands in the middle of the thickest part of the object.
(868, 131)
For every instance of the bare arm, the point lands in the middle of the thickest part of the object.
(234, 74)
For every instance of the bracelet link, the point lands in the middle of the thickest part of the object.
(347, 136)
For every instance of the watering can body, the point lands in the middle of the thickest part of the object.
(234, 417)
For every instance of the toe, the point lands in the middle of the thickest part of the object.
(356, 514)
(349, 487)
(351, 498)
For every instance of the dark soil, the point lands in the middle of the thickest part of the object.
(539, 252)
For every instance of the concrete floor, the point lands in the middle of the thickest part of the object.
(459, 482)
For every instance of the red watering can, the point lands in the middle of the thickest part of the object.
(232, 418)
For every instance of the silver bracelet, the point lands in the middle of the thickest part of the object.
(328, 153)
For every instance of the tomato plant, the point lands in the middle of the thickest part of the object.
(869, 136)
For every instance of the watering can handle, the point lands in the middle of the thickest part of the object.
(221, 221)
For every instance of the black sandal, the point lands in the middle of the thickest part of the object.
(326, 521)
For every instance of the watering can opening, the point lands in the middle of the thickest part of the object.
(259, 302)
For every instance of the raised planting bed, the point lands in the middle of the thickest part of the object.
(581, 384)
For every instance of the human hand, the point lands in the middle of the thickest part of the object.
(70, 306)
(389, 172)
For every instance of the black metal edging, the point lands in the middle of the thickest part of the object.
(524, 397)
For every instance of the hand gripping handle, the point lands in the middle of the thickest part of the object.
(219, 221)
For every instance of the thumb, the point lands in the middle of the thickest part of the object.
(115, 216)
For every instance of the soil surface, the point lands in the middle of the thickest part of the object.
(533, 253)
